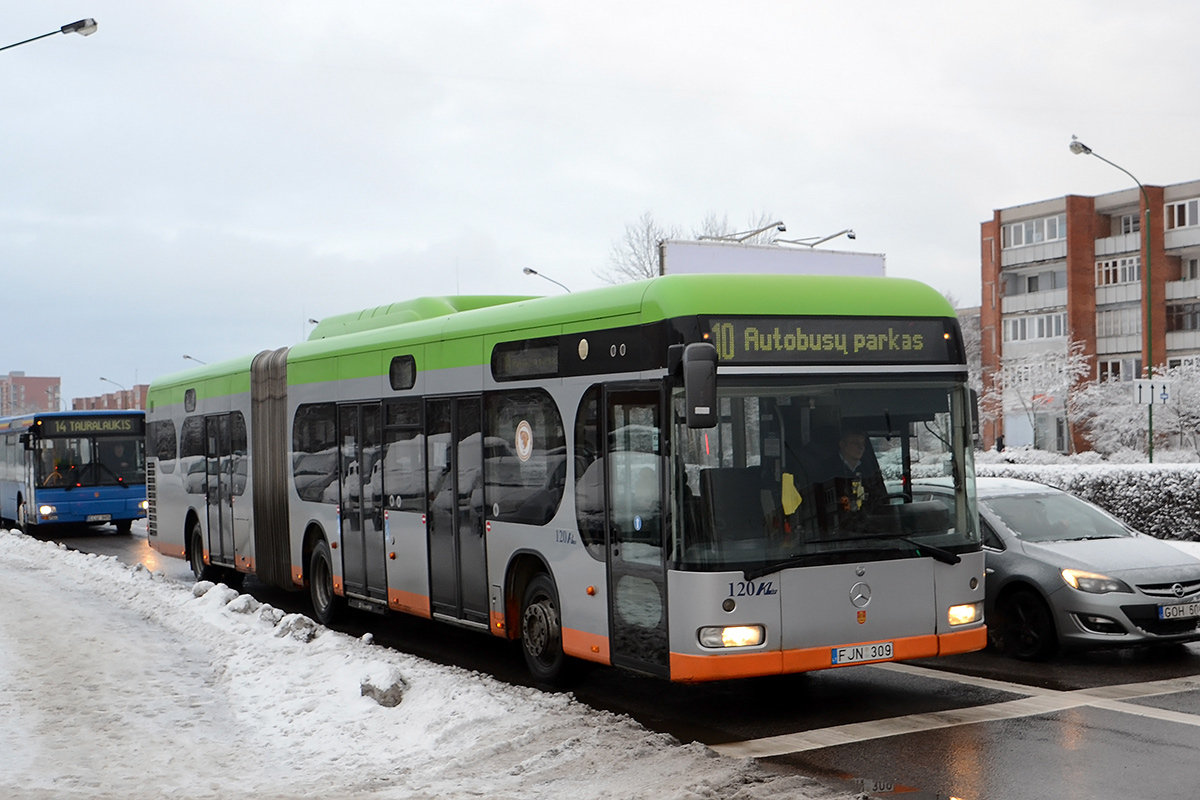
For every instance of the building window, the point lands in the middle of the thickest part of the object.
(1119, 322)
(1119, 369)
(1114, 271)
(1131, 223)
(1033, 231)
(1183, 317)
(1183, 214)
(1046, 326)
(1190, 269)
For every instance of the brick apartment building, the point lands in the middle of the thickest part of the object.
(1071, 269)
(126, 398)
(25, 394)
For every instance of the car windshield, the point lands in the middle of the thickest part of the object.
(1054, 517)
(820, 472)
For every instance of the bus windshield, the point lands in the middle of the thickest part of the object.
(76, 461)
(820, 473)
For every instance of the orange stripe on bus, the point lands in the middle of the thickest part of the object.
(962, 641)
(690, 668)
(588, 646)
(174, 551)
(409, 602)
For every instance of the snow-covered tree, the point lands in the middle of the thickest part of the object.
(1040, 381)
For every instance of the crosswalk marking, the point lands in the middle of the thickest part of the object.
(1037, 700)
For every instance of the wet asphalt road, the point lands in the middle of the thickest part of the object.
(1113, 724)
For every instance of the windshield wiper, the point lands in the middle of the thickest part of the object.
(933, 551)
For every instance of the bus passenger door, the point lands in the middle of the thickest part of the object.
(636, 574)
(218, 451)
(361, 476)
(457, 556)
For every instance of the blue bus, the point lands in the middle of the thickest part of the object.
(73, 468)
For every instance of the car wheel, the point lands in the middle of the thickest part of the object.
(1028, 626)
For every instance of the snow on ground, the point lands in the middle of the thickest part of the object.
(118, 683)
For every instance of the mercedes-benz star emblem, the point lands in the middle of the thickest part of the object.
(860, 595)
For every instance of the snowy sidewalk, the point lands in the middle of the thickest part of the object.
(115, 683)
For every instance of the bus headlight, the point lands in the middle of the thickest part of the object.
(732, 636)
(144, 505)
(964, 614)
(47, 511)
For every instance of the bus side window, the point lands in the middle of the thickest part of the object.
(589, 473)
(162, 442)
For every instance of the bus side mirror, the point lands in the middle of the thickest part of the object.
(700, 384)
(25, 440)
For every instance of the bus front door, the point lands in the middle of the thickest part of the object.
(218, 451)
(636, 573)
(364, 560)
(454, 463)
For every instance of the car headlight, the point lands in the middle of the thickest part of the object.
(732, 636)
(1092, 583)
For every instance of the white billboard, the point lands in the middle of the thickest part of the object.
(691, 257)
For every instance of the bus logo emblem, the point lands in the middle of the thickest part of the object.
(860, 595)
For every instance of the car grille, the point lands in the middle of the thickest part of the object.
(1167, 590)
(1146, 618)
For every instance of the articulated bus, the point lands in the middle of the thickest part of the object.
(73, 468)
(637, 475)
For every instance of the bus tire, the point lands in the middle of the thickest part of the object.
(1028, 626)
(124, 525)
(201, 571)
(541, 631)
(22, 522)
(327, 606)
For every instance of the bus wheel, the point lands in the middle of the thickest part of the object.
(124, 525)
(22, 523)
(201, 571)
(327, 606)
(541, 631)
(1028, 627)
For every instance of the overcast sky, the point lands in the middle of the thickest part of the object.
(203, 178)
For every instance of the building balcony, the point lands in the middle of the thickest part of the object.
(1033, 301)
(1119, 245)
(1182, 237)
(1183, 290)
(1114, 345)
(1033, 253)
(1187, 341)
(1121, 293)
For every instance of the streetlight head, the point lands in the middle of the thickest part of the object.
(84, 27)
(529, 271)
(1079, 148)
(851, 235)
(781, 227)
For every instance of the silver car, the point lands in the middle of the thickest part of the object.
(1063, 573)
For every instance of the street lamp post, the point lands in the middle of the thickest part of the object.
(193, 358)
(84, 27)
(114, 383)
(813, 241)
(1081, 149)
(742, 236)
(529, 271)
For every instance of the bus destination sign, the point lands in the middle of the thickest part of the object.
(831, 340)
(84, 426)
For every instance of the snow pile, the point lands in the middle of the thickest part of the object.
(1162, 500)
(115, 682)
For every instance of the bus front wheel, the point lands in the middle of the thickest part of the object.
(327, 606)
(201, 571)
(541, 631)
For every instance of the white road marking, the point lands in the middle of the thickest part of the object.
(1037, 700)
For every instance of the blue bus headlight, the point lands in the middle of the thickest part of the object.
(144, 505)
(47, 511)
(732, 636)
(964, 614)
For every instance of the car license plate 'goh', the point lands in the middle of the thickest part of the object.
(859, 653)
(1179, 611)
